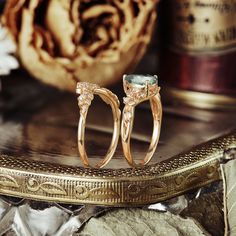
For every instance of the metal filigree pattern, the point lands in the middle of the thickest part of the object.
(127, 119)
(86, 91)
(8, 181)
(136, 95)
(51, 188)
(123, 187)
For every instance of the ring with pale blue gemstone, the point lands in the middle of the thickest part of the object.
(138, 89)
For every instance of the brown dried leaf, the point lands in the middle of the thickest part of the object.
(141, 222)
(229, 177)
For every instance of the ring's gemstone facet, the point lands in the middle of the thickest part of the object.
(141, 80)
(139, 88)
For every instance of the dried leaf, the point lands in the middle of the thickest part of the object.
(140, 222)
(229, 177)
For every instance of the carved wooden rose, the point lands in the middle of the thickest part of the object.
(61, 42)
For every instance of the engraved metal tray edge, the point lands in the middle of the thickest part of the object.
(122, 187)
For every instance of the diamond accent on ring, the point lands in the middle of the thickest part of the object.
(85, 90)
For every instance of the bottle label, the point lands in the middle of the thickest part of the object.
(202, 26)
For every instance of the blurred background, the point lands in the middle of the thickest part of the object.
(189, 45)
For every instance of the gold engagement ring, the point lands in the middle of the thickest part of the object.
(87, 92)
(140, 88)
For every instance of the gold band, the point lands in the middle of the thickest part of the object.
(87, 92)
(151, 93)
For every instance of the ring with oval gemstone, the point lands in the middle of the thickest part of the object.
(87, 92)
(140, 88)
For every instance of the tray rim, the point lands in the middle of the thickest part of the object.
(122, 187)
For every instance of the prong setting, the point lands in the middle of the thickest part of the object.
(139, 88)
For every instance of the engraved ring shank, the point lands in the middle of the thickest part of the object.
(126, 131)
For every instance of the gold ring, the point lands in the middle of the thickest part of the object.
(139, 88)
(87, 92)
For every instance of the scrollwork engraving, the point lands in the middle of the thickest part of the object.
(51, 188)
(182, 181)
(83, 192)
(8, 181)
(159, 188)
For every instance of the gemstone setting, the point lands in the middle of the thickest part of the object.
(139, 88)
(140, 80)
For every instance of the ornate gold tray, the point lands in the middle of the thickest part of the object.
(122, 187)
(39, 156)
